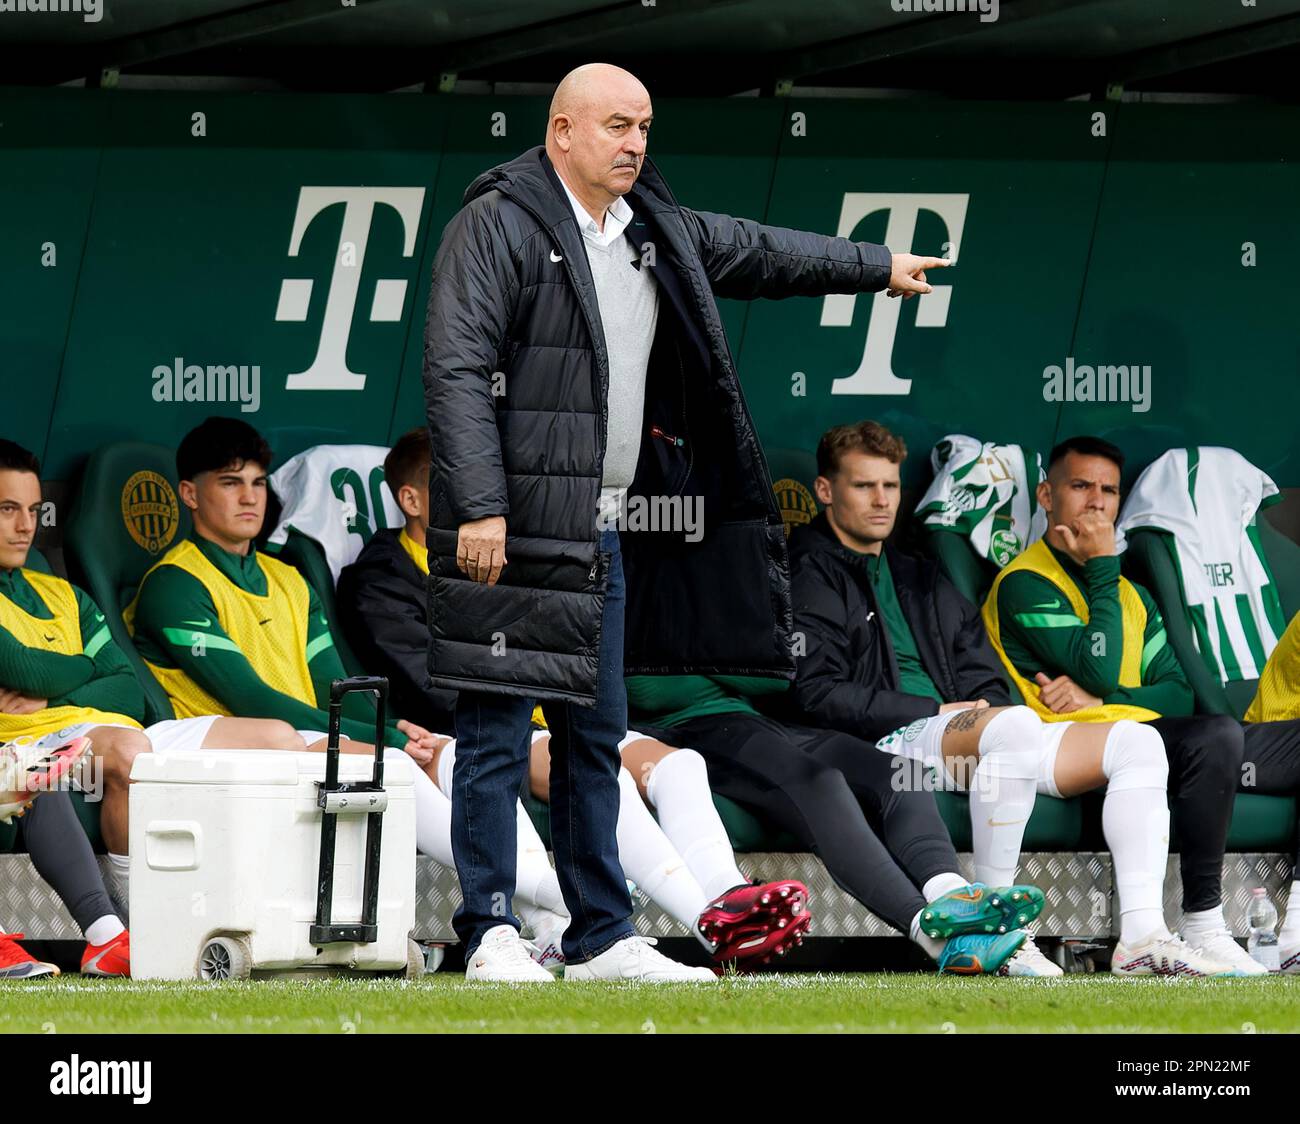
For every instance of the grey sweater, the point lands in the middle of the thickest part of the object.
(629, 310)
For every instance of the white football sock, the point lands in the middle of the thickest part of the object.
(1135, 822)
(432, 809)
(547, 926)
(1002, 792)
(104, 930)
(652, 862)
(1289, 934)
(1202, 923)
(941, 884)
(446, 763)
(120, 862)
(535, 880)
(678, 790)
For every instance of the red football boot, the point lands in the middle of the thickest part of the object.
(111, 959)
(16, 963)
(753, 923)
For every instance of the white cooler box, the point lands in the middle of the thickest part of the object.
(225, 856)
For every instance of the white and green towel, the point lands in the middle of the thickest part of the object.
(987, 493)
(1207, 499)
(336, 495)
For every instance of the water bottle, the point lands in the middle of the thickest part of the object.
(1262, 943)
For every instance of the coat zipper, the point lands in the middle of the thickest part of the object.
(679, 441)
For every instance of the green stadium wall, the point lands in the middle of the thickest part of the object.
(1117, 242)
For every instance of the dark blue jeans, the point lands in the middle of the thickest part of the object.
(492, 746)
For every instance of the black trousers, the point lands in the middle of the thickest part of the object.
(867, 815)
(1205, 753)
(62, 856)
(1271, 762)
(1211, 759)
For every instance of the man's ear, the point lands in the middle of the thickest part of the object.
(822, 490)
(562, 129)
(408, 499)
(1044, 493)
(189, 494)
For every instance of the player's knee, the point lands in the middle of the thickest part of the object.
(1012, 743)
(1225, 745)
(684, 766)
(280, 735)
(687, 761)
(119, 748)
(826, 788)
(1135, 757)
(1016, 728)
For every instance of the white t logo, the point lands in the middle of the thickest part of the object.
(875, 374)
(329, 370)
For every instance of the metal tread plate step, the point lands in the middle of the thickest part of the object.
(1078, 885)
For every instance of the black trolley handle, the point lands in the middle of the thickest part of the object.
(332, 799)
(339, 689)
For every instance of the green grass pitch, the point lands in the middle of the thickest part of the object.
(803, 1002)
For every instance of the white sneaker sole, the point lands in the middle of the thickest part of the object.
(572, 974)
(510, 979)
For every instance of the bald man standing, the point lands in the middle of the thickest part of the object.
(575, 365)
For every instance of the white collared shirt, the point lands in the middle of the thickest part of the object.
(617, 216)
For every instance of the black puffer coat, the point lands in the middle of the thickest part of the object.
(512, 293)
(382, 610)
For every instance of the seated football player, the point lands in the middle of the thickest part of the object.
(53, 836)
(228, 630)
(896, 655)
(63, 675)
(1085, 645)
(882, 842)
(683, 862)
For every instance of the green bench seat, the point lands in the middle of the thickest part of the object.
(1259, 824)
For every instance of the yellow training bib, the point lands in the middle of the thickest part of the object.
(60, 634)
(270, 631)
(1038, 559)
(1278, 697)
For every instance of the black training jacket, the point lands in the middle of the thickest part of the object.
(847, 676)
(516, 380)
(381, 606)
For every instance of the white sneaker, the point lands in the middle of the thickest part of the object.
(1028, 960)
(504, 956)
(635, 958)
(1289, 959)
(1221, 947)
(1163, 954)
